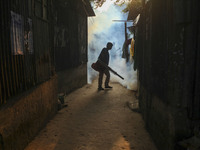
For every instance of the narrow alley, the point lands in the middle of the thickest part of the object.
(48, 47)
(96, 120)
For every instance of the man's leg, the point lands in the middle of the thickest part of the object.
(107, 73)
(100, 81)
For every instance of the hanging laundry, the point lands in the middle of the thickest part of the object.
(125, 53)
(132, 47)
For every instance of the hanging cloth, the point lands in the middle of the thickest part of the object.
(125, 53)
(132, 47)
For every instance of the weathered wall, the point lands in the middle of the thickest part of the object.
(21, 120)
(70, 44)
(167, 124)
(59, 30)
(70, 40)
(167, 58)
(28, 84)
(72, 79)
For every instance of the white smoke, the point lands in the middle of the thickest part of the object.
(102, 29)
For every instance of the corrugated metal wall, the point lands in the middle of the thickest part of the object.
(168, 60)
(70, 34)
(25, 48)
(194, 48)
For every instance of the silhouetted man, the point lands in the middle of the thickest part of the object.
(103, 60)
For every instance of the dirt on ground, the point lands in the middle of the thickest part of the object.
(96, 120)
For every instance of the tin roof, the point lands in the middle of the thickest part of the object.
(88, 8)
(134, 10)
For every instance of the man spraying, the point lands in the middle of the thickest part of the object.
(102, 67)
(104, 59)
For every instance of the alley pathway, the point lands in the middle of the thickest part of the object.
(95, 120)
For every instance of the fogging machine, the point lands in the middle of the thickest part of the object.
(99, 65)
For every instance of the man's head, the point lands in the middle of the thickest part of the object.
(109, 45)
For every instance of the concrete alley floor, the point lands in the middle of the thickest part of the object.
(95, 120)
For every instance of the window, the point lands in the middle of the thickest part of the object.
(17, 34)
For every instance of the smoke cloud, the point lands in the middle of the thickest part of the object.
(103, 29)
